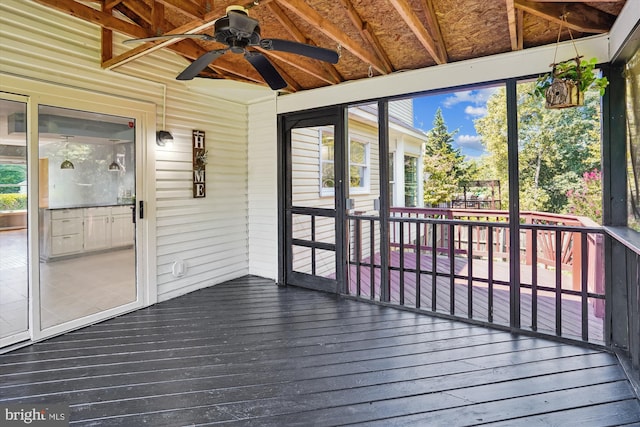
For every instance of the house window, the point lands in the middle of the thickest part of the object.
(358, 164)
(410, 181)
(327, 154)
(392, 177)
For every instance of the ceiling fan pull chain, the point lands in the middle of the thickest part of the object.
(370, 72)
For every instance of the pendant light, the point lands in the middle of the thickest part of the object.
(66, 163)
(114, 167)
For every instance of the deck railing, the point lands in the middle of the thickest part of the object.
(456, 262)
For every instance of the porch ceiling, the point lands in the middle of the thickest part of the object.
(375, 36)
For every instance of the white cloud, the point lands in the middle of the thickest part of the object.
(472, 140)
(477, 97)
(475, 111)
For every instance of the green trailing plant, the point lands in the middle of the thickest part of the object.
(581, 72)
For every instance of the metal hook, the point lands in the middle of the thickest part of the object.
(370, 72)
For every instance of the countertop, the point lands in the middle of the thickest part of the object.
(93, 205)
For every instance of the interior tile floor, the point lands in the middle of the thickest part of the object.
(69, 288)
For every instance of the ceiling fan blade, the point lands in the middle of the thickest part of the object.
(266, 70)
(308, 50)
(200, 64)
(241, 25)
(205, 37)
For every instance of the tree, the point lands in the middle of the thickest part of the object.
(11, 174)
(444, 167)
(555, 147)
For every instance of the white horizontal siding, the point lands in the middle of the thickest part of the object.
(263, 190)
(210, 235)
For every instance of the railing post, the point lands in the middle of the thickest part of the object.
(528, 258)
(576, 261)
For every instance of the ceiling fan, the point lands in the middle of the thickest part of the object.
(238, 31)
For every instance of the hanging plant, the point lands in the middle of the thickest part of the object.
(565, 85)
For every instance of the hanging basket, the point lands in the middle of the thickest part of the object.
(563, 94)
(565, 87)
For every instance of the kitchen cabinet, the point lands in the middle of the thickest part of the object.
(122, 226)
(65, 232)
(97, 228)
(82, 230)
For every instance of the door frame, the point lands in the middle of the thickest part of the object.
(334, 116)
(45, 93)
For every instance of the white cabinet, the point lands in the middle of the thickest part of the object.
(97, 228)
(122, 226)
(65, 232)
(74, 231)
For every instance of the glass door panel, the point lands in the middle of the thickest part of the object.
(86, 218)
(14, 248)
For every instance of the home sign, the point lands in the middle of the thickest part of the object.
(199, 164)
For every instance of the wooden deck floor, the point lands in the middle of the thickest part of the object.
(247, 353)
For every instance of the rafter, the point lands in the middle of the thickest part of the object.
(581, 18)
(513, 23)
(414, 24)
(304, 11)
(184, 8)
(333, 76)
(106, 37)
(105, 20)
(434, 26)
(367, 34)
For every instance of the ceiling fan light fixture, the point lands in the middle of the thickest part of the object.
(163, 137)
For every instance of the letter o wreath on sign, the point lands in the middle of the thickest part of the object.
(199, 164)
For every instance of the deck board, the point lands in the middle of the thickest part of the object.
(247, 353)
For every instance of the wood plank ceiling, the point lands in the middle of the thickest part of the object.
(373, 37)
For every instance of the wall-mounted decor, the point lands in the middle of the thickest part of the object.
(199, 164)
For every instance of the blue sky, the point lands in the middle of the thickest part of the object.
(459, 110)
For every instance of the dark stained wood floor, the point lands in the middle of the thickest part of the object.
(247, 353)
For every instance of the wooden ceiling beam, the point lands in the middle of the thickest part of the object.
(304, 11)
(110, 4)
(98, 17)
(367, 34)
(581, 17)
(331, 76)
(414, 24)
(183, 7)
(434, 26)
(137, 10)
(520, 27)
(513, 23)
(149, 47)
(577, 1)
(106, 36)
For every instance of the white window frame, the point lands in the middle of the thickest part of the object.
(365, 188)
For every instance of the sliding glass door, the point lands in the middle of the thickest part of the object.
(14, 247)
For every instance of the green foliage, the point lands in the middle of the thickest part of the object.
(583, 75)
(444, 166)
(12, 174)
(13, 202)
(555, 148)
